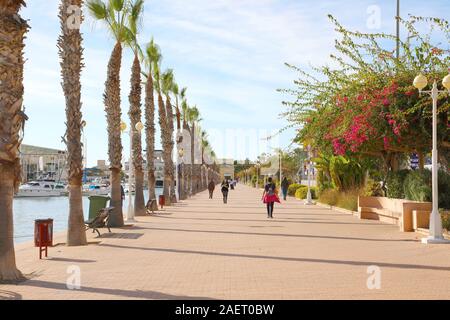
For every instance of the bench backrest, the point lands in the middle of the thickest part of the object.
(394, 205)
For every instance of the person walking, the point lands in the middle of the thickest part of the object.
(284, 187)
(211, 187)
(270, 196)
(224, 187)
(122, 194)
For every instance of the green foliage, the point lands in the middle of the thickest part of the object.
(373, 189)
(445, 215)
(367, 104)
(329, 196)
(293, 188)
(302, 192)
(346, 200)
(395, 184)
(444, 189)
(417, 185)
(346, 174)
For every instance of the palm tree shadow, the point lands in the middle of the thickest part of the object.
(135, 294)
(287, 235)
(292, 259)
(9, 295)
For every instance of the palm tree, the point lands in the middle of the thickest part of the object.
(12, 118)
(165, 138)
(71, 55)
(167, 85)
(153, 56)
(114, 14)
(134, 97)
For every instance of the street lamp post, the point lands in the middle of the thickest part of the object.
(435, 235)
(180, 187)
(308, 195)
(280, 168)
(137, 129)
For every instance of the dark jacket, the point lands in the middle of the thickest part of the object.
(211, 186)
(284, 184)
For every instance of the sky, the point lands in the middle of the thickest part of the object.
(230, 54)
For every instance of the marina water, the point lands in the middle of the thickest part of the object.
(26, 210)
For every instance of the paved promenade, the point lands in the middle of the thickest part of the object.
(202, 248)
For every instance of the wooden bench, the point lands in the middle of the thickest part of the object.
(151, 206)
(393, 211)
(100, 221)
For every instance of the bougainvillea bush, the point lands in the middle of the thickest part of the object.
(368, 107)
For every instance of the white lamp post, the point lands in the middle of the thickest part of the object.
(308, 195)
(435, 235)
(138, 127)
(179, 184)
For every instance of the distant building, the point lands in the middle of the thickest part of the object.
(226, 168)
(159, 168)
(40, 162)
(101, 165)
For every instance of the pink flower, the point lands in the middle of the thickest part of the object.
(386, 102)
(386, 143)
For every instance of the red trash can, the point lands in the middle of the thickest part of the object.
(162, 201)
(43, 235)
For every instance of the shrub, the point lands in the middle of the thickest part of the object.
(293, 188)
(445, 219)
(302, 192)
(346, 200)
(329, 196)
(444, 190)
(417, 186)
(373, 189)
(395, 184)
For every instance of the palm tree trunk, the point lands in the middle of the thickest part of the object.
(113, 116)
(150, 134)
(166, 151)
(8, 270)
(71, 55)
(12, 118)
(170, 143)
(135, 117)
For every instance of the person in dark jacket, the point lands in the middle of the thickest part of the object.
(284, 187)
(225, 186)
(122, 191)
(211, 187)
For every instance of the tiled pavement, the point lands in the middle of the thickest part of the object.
(202, 248)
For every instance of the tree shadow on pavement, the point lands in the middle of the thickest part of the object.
(307, 260)
(135, 294)
(281, 235)
(300, 220)
(9, 295)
